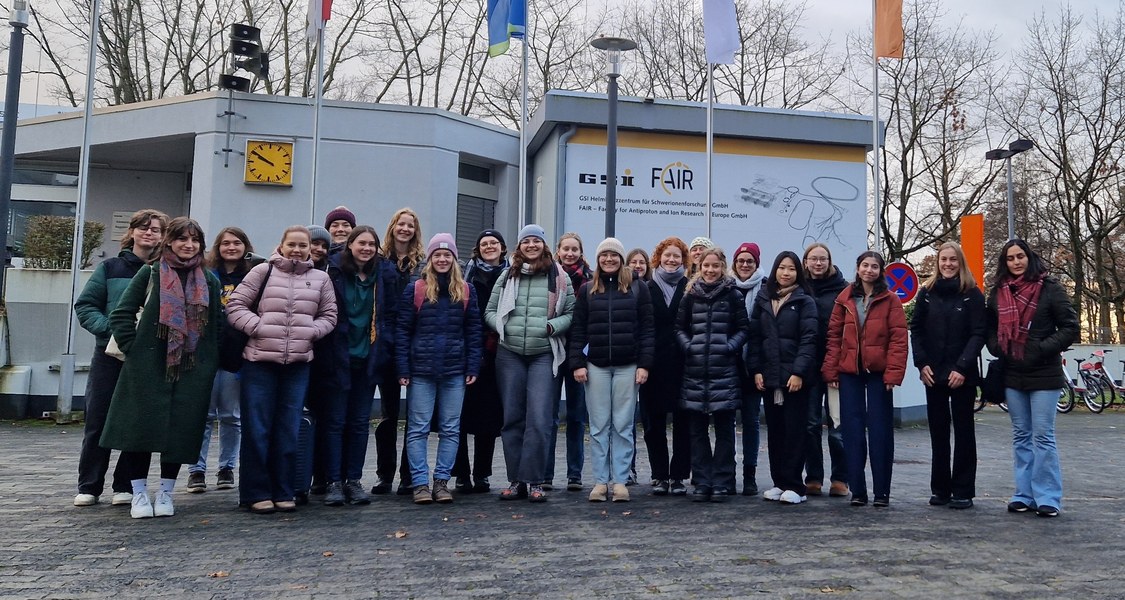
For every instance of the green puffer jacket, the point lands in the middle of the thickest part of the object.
(102, 292)
(525, 331)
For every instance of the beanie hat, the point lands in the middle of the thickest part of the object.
(492, 233)
(441, 241)
(318, 233)
(340, 213)
(750, 247)
(533, 230)
(612, 245)
(701, 241)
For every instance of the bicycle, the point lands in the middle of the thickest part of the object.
(1067, 395)
(1094, 394)
(1110, 385)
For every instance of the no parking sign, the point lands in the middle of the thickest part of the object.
(902, 280)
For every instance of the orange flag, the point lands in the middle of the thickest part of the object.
(888, 28)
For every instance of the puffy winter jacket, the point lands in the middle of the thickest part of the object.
(298, 307)
(1054, 327)
(525, 331)
(783, 344)
(880, 346)
(617, 326)
(947, 330)
(824, 292)
(100, 295)
(711, 328)
(335, 366)
(440, 339)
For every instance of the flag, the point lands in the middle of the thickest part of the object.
(506, 19)
(319, 13)
(720, 31)
(888, 28)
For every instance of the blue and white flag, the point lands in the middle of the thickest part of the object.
(506, 19)
(720, 31)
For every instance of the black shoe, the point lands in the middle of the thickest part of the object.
(353, 491)
(677, 488)
(720, 494)
(382, 486)
(1047, 511)
(481, 486)
(573, 485)
(881, 501)
(196, 482)
(225, 479)
(701, 494)
(318, 488)
(300, 498)
(334, 494)
(464, 485)
(961, 503)
(632, 480)
(405, 489)
(859, 500)
(937, 500)
(660, 487)
(749, 488)
(1018, 507)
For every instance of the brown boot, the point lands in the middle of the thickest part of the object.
(441, 491)
(838, 489)
(814, 488)
(422, 494)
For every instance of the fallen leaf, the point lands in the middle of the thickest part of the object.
(400, 534)
(298, 586)
(626, 513)
(219, 574)
(205, 522)
(329, 553)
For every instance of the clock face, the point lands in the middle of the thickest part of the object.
(269, 162)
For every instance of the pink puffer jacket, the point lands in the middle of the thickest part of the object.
(298, 307)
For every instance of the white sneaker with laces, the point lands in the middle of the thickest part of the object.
(773, 494)
(163, 506)
(122, 499)
(85, 500)
(791, 497)
(140, 508)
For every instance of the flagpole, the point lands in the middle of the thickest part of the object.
(319, 95)
(875, 131)
(521, 212)
(710, 135)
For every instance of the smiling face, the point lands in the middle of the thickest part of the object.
(695, 252)
(490, 250)
(948, 264)
(818, 263)
(442, 260)
(532, 248)
(569, 251)
(363, 248)
(295, 246)
(147, 237)
(671, 258)
(712, 268)
(609, 262)
(869, 270)
(404, 229)
(231, 249)
(186, 246)
(318, 250)
(786, 273)
(745, 266)
(639, 265)
(339, 230)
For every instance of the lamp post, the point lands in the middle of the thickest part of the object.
(1006, 155)
(18, 20)
(613, 47)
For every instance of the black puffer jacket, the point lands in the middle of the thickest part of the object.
(947, 330)
(711, 328)
(617, 326)
(786, 343)
(824, 292)
(1054, 327)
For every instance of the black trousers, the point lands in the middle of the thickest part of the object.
(946, 406)
(786, 431)
(136, 466)
(712, 469)
(678, 465)
(386, 433)
(484, 448)
(93, 461)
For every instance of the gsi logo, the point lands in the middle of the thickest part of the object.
(625, 180)
(674, 176)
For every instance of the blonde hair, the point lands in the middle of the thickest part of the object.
(805, 259)
(624, 278)
(718, 253)
(967, 280)
(570, 235)
(456, 283)
(415, 253)
(295, 229)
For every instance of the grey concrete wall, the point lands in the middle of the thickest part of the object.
(113, 190)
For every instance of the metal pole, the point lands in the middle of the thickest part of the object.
(710, 136)
(875, 134)
(521, 212)
(611, 160)
(319, 95)
(18, 20)
(1011, 204)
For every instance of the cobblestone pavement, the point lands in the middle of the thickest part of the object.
(569, 547)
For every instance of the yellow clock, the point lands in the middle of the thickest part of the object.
(269, 162)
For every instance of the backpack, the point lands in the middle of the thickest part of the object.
(420, 295)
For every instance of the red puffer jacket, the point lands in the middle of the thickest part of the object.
(883, 339)
(297, 308)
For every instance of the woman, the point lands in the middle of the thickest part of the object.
(482, 415)
(171, 356)
(318, 247)
(660, 395)
(948, 332)
(98, 299)
(611, 342)
(695, 253)
(437, 348)
(570, 257)
(530, 308)
(639, 262)
(825, 282)
(711, 328)
(783, 334)
(866, 359)
(365, 288)
(1030, 322)
(228, 261)
(402, 246)
(339, 223)
(748, 281)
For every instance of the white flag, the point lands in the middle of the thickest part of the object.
(720, 31)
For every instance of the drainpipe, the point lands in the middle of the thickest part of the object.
(560, 179)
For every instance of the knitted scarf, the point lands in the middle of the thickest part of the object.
(183, 310)
(556, 301)
(1016, 300)
(667, 281)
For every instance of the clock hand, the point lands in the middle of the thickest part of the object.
(264, 159)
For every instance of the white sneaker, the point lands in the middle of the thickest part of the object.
(791, 497)
(122, 499)
(772, 494)
(163, 506)
(140, 508)
(85, 500)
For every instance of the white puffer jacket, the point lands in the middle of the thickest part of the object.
(297, 308)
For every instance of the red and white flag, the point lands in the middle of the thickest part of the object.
(319, 13)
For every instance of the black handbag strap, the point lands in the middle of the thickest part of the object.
(261, 290)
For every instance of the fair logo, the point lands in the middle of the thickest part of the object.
(673, 177)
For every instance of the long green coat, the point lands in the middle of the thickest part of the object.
(148, 413)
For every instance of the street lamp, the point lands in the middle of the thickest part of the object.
(1001, 154)
(613, 47)
(18, 20)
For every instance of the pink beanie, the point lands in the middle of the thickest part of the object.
(441, 241)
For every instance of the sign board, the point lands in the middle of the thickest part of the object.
(902, 280)
(780, 195)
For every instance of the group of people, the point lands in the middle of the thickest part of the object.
(485, 346)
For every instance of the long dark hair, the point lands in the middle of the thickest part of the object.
(771, 281)
(215, 260)
(1035, 266)
(177, 227)
(541, 265)
(347, 261)
(880, 284)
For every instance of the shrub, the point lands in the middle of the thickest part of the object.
(49, 240)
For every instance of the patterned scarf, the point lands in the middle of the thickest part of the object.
(1016, 300)
(183, 310)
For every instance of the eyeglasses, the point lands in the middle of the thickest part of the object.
(155, 230)
(745, 263)
(817, 259)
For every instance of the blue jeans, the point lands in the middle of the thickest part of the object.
(575, 427)
(611, 399)
(751, 435)
(867, 420)
(424, 395)
(342, 437)
(225, 406)
(272, 397)
(527, 391)
(1037, 472)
